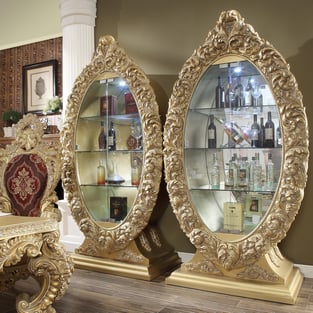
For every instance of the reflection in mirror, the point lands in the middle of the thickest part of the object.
(108, 149)
(232, 147)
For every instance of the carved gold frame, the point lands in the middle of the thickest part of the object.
(233, 37)
(110, 59)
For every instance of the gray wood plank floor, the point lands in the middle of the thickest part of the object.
(93, 292)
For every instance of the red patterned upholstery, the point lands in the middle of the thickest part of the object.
(25, 180)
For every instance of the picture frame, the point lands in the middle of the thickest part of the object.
(39, 85)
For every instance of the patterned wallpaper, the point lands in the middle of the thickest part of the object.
(11, 70)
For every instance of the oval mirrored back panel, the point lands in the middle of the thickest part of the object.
(112, 130)
(235, 186)
(233, 147)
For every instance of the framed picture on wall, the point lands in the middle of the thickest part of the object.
(39, 85)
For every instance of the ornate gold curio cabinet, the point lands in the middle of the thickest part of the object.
(112, 164)
(236, 157)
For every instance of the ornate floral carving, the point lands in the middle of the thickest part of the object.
(255, 272)
(232, 36)
(39, 254)
(110, 58)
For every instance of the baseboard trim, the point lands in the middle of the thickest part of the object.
(306, 270)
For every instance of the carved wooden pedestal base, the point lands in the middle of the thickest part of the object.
(148, 257)
(272, 278)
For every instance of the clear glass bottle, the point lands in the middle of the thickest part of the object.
(211, 133)
(215, 178)
(269, 139)
(112, 137)
(229, 175)
(233, 167)
(251, 178)
(230, 130)
(270, 179)
(131, 140)
(100, 173)
(255, 132)
(135, 173)
(219, 94)
(257, 175)
(243, 173)
(102, 138)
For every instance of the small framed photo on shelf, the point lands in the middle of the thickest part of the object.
(39, 85)
(253, 205)
(118, 208)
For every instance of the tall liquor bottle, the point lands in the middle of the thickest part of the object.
(111, 138)
(255, 132)
(269, 139)
(219, 94)
(211, 133)
(102, 138)
(257, 175)
(270, 173)
(100, 174)
(215, 173)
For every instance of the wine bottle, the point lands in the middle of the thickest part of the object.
(269, 138)
(215, 173)
(270, 173)
(249, 101)
(231, 132)
(238, 91)
(229, 94)
(278, 137)
(255, 132)
(219, 94)
(211, 133)
(102, 138)
(262, 132)
(100, 174)
(112, 138)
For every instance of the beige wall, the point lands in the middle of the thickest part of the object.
(161, 35)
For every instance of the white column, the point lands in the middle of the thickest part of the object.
(78, 22)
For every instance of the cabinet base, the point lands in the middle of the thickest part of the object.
(284, 293)
(137, 271)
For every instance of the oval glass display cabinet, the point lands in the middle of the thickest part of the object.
(112, 162)
(236, 157)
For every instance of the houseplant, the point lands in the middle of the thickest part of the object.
(11, 117)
